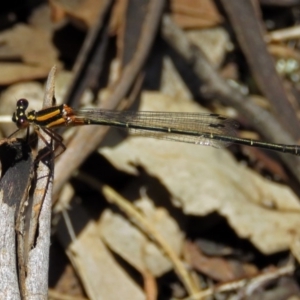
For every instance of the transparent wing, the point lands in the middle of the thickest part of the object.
(195, 128)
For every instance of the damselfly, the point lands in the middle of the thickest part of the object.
(197, 128)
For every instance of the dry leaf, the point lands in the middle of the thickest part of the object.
(36, 58)
(100, 274)
(16, 43)
(16, 72)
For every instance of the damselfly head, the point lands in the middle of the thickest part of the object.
(19, 116)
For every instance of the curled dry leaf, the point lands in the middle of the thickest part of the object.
(202, 180)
